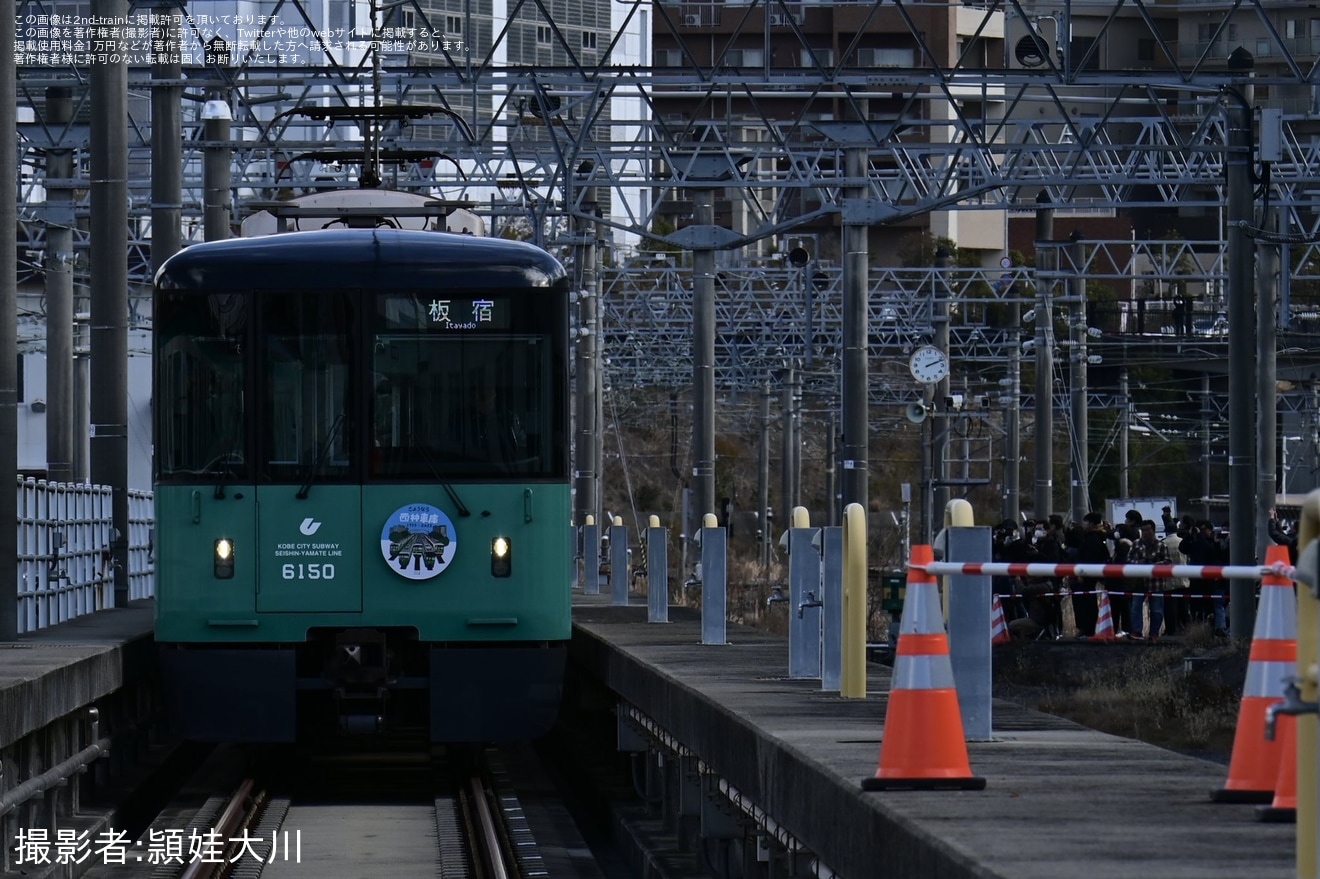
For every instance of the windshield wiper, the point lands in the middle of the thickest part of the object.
(453, 496)
(235, 452)
(225, 473)
(425, 454)
(321, 454)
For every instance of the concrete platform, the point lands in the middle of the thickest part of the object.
(1060, 800)
(47, 674)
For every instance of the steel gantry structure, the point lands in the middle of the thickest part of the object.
(671, 151)
(963, 126)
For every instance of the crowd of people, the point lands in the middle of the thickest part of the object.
(1139, 609)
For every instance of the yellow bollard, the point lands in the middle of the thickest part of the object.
(1308, 725)
(852, 672)
(801, 518)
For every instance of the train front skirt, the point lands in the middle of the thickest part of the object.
(467, 694)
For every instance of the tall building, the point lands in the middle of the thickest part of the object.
(803, 72)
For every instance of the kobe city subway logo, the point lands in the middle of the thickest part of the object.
(309, 526)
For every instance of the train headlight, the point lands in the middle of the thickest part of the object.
(501, 557)
(224, 558)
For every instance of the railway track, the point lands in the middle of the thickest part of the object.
(443, 813)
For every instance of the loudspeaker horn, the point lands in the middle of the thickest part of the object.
(916, 413)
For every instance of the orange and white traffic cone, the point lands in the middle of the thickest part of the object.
(1104, 620)
(1253, 769)
(923, 747)
(1283, 809)
(998, 625)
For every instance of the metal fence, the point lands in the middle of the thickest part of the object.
(64, 552)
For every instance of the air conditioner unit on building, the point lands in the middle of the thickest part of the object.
(779, 19)
(692, 19)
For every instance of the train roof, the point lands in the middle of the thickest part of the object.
(358, 258)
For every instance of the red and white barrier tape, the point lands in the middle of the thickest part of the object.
(1059, 593)
(1141, 572)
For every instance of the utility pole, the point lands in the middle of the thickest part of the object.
(703, 358)
(1013, 406)
(1242, 422)
(587, 429)
(939, 451)
(109, 264)
(1124, 424)
(796, 421)
(8, 341)
(217, 159)
(855, 402)
(763, 478)
(1077, 380)
(166, 142)
(831, 472)
(1207, 414)
(925, 485)
(1044, 493)
(1267, 287)
(788, 486)
(59, 287)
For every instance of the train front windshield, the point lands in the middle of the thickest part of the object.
(464, 385)
(386, 386)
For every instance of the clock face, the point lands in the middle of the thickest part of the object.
(928, 365)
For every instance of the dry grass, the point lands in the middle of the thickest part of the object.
(1137, 691)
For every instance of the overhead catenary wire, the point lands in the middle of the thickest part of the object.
(623, 463)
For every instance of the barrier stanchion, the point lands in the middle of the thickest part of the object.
(804, 603)
(618, 562)
(831, 614)
(967, 598)
(713, 587)
(591, 557)
(1253, 768)
(922, 747)
(657, 572)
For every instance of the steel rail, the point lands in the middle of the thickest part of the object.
(230, 820)
(489, 835)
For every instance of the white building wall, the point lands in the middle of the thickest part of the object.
(32, 422)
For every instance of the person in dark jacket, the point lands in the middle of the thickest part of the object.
(1093, 549)
(1203, 547)
(1041, 594)
(1124, 535)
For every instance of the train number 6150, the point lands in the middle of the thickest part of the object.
(308, 572)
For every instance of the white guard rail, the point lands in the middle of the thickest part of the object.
(64, 555)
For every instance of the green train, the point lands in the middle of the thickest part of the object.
(361, 485)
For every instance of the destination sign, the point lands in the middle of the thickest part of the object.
(447, 313)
